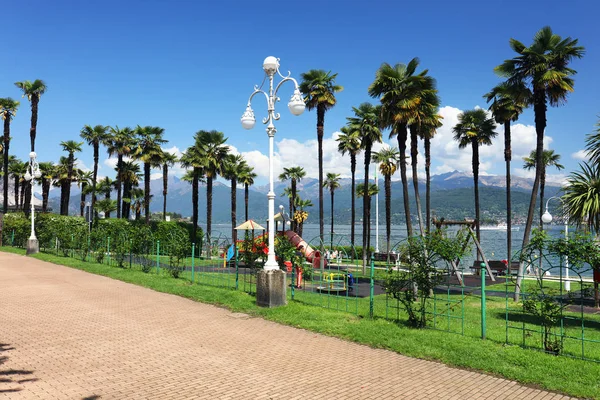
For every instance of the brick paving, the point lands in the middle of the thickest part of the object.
(67, 334)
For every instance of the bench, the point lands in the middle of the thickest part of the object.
(497, 266)
(384, 256)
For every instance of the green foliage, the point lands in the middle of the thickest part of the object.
(428, 258)
(548, 313)
(175, 242)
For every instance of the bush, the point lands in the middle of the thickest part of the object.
(174, 242)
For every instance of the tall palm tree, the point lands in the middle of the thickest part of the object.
(388, 159)
(107, 206)
(349, 142)
(287, 192)
(247, 179)
(192, 159)
(130, 174)
(47, 170)
(94, 136)
(167, 160)
(301, 215)
(120, 143)
(474, 128)
(148, 150)
(544, 68)
(400, 90)
(17, 170)
(367, 122)
(294, 174)
(71, 147)
(85, 180)
(8, 110)
(427, 130)
(332, 182)
(508, 102)
(319, 89)
(212, 150)
(372, 190)
(549, 159)
(233, 167)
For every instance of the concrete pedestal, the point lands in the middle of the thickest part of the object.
(271, 288)
(33, 246)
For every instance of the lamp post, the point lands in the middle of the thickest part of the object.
(33, 172)
(270, 284)
(376, 213)
(547, 218)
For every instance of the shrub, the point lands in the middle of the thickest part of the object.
(175, 242)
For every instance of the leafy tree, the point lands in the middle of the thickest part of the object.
(349, 142)
(8, 110)
(474, 128)
(549, 159)
(294, 174)
(319, 89)
(71, 147)
(332, 182)
(388, 159)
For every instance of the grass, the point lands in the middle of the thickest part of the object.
(571, 376)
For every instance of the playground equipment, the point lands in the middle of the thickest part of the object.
(311, 255)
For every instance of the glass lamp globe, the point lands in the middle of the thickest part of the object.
(296, 104)
(32, 154)
(37, 174)
(546, 217)
(270, 65)
(248, 119)
(27, 176)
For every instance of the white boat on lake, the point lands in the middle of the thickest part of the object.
(499, 227)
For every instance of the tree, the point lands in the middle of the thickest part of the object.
(8, 110)
(130, 174)
(119, 142)
(149, 139)
(300, 216)
(94, 136)
(332, 182)
(508, 102)
(400, 91)
(33, 90)
(212, 151)
(372, 190)
(167, 160)
(247, 179)
(233, 167)
(107, 206)
(349, 142)
(294, 174)
(544, 68)
(474, 128)
(17, 170)
(319, 89)
(367, 122)
(71, 147)
(191, 159)
(105, 187)
(84, 179)
(427, 130)
(549, 159)
(47, 170)
(388, 159)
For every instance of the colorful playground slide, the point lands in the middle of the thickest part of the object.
(311, 255)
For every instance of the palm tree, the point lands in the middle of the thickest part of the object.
(508, 102)
(137, 200)
(71, 147)
(549, 159)
(130, 175)
(192, 159)
(301, 215)
(247, 179)
(287, 192)
(544, 68)
(16, 169)
(233, 166)
(8, 110)
(105, 187)
(294, 174)
(119, 142)
(94, 136)
(388, 159)
(367, 122)
(149, 139)
(319, 89)
(372, 190)
(47, 170)
(400, 91)
(476, 129)
(349, 142)
(427, 130)
(332, 182)
(107, 206)
(212, 150)
(84, 179)
(167, 160)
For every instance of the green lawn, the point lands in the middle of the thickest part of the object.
(563, 374)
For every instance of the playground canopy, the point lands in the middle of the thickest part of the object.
(249, 226)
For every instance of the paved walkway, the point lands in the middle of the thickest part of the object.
(67, 334)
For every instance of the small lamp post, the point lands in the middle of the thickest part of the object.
(296, 106)
(547, 218)
(33, 172)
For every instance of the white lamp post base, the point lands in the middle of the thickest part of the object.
(33, 246)
(271, 288)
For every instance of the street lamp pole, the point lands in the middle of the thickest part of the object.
(296, 106)
(547, 218)
(33, 172)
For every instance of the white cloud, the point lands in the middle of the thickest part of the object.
(80, 165)
(580, 155)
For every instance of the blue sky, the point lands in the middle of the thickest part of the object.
(190, 65)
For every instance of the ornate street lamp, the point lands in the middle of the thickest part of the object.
(547, 218)
(296, 106)
(33, 172)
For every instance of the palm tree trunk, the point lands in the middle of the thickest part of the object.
(507, 158)
(26, 198)
(82, 201)
(293, 202)
(475, 162)
(402, 136)
(126, 207)
(69, 182)
(147, 192)
(246, 196)
(107, 214)
(320, 124)
(95, 179)
(195, 205)
(542, 185)
(209, 182)
(353, 198)
(539, 109)
(118, 184)
(45, 193)
(24, 186)
(5, 165)
(427, 183)
(331, 233)
(165, 188)
(388, 210)
(34, 116)
(233, 210)
(16, 192)
(366, 202)
(414, 140)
